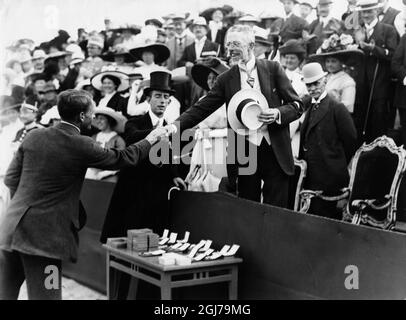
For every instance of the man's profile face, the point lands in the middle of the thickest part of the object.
(159, 101)
(239, 48)
(88, 117)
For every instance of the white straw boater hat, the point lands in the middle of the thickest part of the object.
(96, 80)
(364, 5)
(243, 111)
(117, 116)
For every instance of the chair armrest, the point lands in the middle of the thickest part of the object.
(372, 203)
(306, 197)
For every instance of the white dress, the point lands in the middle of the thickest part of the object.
(297, 83)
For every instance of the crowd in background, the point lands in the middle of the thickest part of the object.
(363, 55)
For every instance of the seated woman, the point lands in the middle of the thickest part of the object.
(111, 84)
(334, 54)
(210, 149)
(110, 123)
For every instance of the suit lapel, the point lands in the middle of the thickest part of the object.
(264, 75)
(318, 114)
(376, 34)
(235, 81)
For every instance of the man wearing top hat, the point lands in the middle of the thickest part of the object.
(379, 42)
(267, 87)
(293, 25)
(327, 142)
(140, 198)
(325, 25)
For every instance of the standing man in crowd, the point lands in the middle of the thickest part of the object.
(178, 44)
(272, 141)
(293, 25)
(40, 227)
(325, 25)
(379, 42)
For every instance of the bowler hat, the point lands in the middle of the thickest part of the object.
(243, 111)
(313, 72)
(200, 72)
(159, 81)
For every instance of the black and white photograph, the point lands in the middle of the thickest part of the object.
(202, 150)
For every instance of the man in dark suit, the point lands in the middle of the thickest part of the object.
(40, 227)
(324, 26)
(202, 47)
(328, 142)
(379, 42)
(293, 25)
(399, 71)
(271, 142)
(140, 198)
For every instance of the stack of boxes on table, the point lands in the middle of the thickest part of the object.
(168, 249)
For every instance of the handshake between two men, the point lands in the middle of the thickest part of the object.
(267, 117)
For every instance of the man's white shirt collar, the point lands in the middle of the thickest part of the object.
(372, 25)
(321, 98)
(155, 120)
(249, 66)
(201, 41)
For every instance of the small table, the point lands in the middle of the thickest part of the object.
(168, 277)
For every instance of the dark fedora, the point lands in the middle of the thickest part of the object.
(292, 46)
(161, 52)
(160, 81)
(200, 72)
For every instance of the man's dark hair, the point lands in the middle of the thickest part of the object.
(72, 102)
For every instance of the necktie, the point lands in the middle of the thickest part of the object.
(180, 42)
(251, 81)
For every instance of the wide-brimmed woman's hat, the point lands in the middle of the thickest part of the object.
(161, 51)
(121, 79)
(117, 52)
(159, 81)
(117, 116)
(243, 111)
(208, 13)
(200, 72)
(292, 46)
(342, 47)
